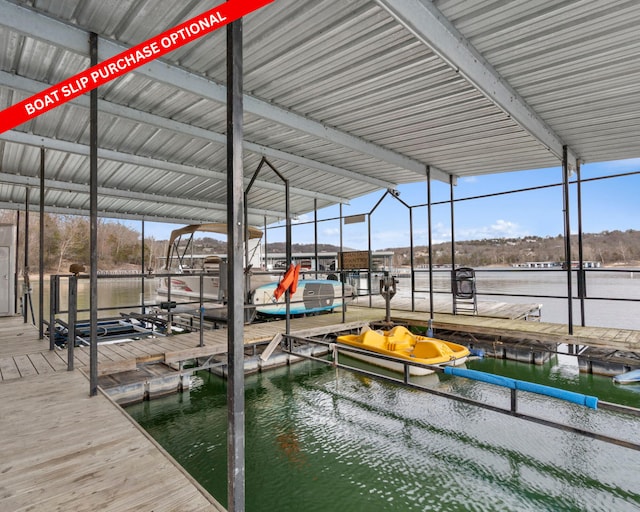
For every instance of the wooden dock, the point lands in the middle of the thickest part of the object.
(443, 305)
(63, 450)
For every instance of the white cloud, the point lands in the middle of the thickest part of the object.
(499, 229)
(302, 219)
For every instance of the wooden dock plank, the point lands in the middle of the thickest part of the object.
(8, 369)
(127, 349)
(25, 366)
(81, 356)
(73, 452)
(192, 353)
(40, 363)
(107, 352)
(56, 358)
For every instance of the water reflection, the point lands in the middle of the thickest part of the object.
(323, 439)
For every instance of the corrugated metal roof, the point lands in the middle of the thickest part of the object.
(343, 98)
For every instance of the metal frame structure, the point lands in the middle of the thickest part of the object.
(347, 98)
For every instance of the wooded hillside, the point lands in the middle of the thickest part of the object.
(608, 248)
(67, 241)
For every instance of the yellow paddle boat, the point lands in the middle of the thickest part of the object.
(402, 344)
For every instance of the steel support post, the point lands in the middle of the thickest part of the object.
(582, 279)
(430, 242)
(235, 273)
(288, 255)
(25, 269)
(41, 245)
(567, 236)
(143, 309)
(72, 309)
(370, 265)
(453, 246)
(93, 223)
(53, 309)
(343, 275)
(315, 235)
(16, 280)
(266, 244)
(412, 262)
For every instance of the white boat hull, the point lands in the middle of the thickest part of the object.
(399, 367)
(311, 296)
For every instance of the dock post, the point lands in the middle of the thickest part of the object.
(93, 222)
(72, 317)
(235, 273)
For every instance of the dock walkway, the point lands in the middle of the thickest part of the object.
(63, 450)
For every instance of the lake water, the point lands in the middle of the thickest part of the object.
(324, 439)
(604, 288)
(321, 439)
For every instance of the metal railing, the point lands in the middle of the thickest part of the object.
(335, 349)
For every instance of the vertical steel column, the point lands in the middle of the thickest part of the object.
(315, 234)
(582, 279)
(53, 309)
(16, 272)
(25, 270)
(72, 318)
(430, 242)
(369, 281)
(93, 223)
(266, 247)
(235, 333)
(142, 307)
(413, 269)
(567, 235)
(41, 244)
(343, 275)
(287, 294)
(453, 247)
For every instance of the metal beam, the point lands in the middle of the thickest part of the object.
(30, 86)
(84, 212)
(429, 25)
(152, 163)
(44, 28)
(31, 181)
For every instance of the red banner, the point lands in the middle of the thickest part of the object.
(126, 61)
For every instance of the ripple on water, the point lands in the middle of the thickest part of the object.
(321, 440)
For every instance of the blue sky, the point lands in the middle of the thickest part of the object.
(606, 205)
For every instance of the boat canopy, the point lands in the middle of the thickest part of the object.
(211, 227)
